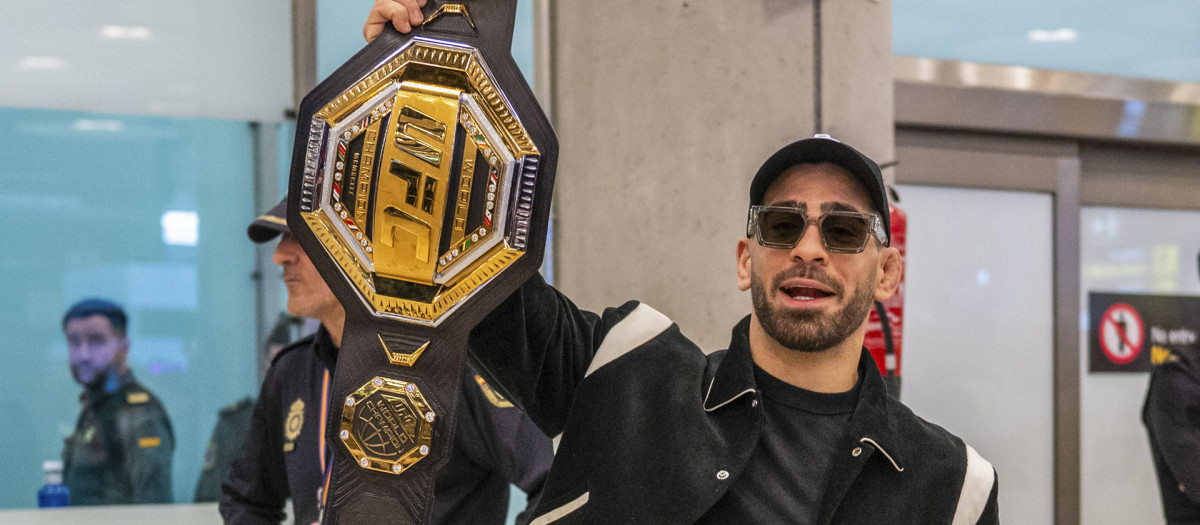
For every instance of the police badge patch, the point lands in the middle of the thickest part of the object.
(293, 424)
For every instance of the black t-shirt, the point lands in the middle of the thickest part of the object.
(785, 480)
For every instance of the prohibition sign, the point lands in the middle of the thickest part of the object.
(1121, 331)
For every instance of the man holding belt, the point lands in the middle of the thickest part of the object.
(791, 424)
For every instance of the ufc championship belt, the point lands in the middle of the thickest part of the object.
(420, 188)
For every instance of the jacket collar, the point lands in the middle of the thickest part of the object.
(734, 376)
(326, 351)
(872, 423)
(111, 386)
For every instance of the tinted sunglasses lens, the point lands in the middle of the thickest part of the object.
(781, 227)
(845, 232)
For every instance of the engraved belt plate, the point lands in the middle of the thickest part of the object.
(387, 425)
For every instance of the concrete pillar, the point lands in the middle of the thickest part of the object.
(665, 110)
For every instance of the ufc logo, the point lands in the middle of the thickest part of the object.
(411, 191)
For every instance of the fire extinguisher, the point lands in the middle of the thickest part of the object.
(885, 325)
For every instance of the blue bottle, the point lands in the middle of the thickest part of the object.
(53, 493)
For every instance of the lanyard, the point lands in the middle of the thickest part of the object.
(326, 466)
(324, 417)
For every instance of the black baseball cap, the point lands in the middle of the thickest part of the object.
(270, 224)
(823, 148)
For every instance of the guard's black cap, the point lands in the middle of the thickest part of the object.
(270, 224)
(823, 148)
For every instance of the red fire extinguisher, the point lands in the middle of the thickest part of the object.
(884, 338)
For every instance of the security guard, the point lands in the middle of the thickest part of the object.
(233, 425)
(1171, 414)
(495, 444)
(120, 452)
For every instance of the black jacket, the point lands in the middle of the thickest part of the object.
(654, 431)
(1172, 418)
(493, 446)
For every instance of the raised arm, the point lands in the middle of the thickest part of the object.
(537, 347)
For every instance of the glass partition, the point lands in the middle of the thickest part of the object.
(109, 197)
(150, 212)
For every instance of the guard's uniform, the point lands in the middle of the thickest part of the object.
(233, 425)
(1172, 418)
(121, 450)
(494, 445)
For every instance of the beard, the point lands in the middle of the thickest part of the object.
(91, 376)
(808, 330)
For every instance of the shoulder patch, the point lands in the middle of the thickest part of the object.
(149, 442)
(244, 403)
(293, 424)
(137, 398)
(302, 342)
(491, 394)
(636, 329)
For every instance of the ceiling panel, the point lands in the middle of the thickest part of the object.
(219, 58)
(1157, 39)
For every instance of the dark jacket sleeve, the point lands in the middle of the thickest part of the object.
(991, 511)
(536, 347)
(505, 440)
(257, 490)
(149, 445)
(1173, 415)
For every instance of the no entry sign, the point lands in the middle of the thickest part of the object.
(1125, 330)
(1121, 333)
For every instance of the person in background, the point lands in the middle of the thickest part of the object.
(287, 456)
(121, 450)
(233, 425)
(233, 421)
(1171, 414)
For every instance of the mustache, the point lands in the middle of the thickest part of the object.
(807, 271)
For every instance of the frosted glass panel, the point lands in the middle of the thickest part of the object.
(1128, 251)
(978, 333)
(148, 211)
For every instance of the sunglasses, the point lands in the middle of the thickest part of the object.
(841, 231)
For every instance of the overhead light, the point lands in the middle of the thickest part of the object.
(983, 277)
(87, 124)
(126, 32)
(36, 63)
(180, 228)
(1065, 34)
